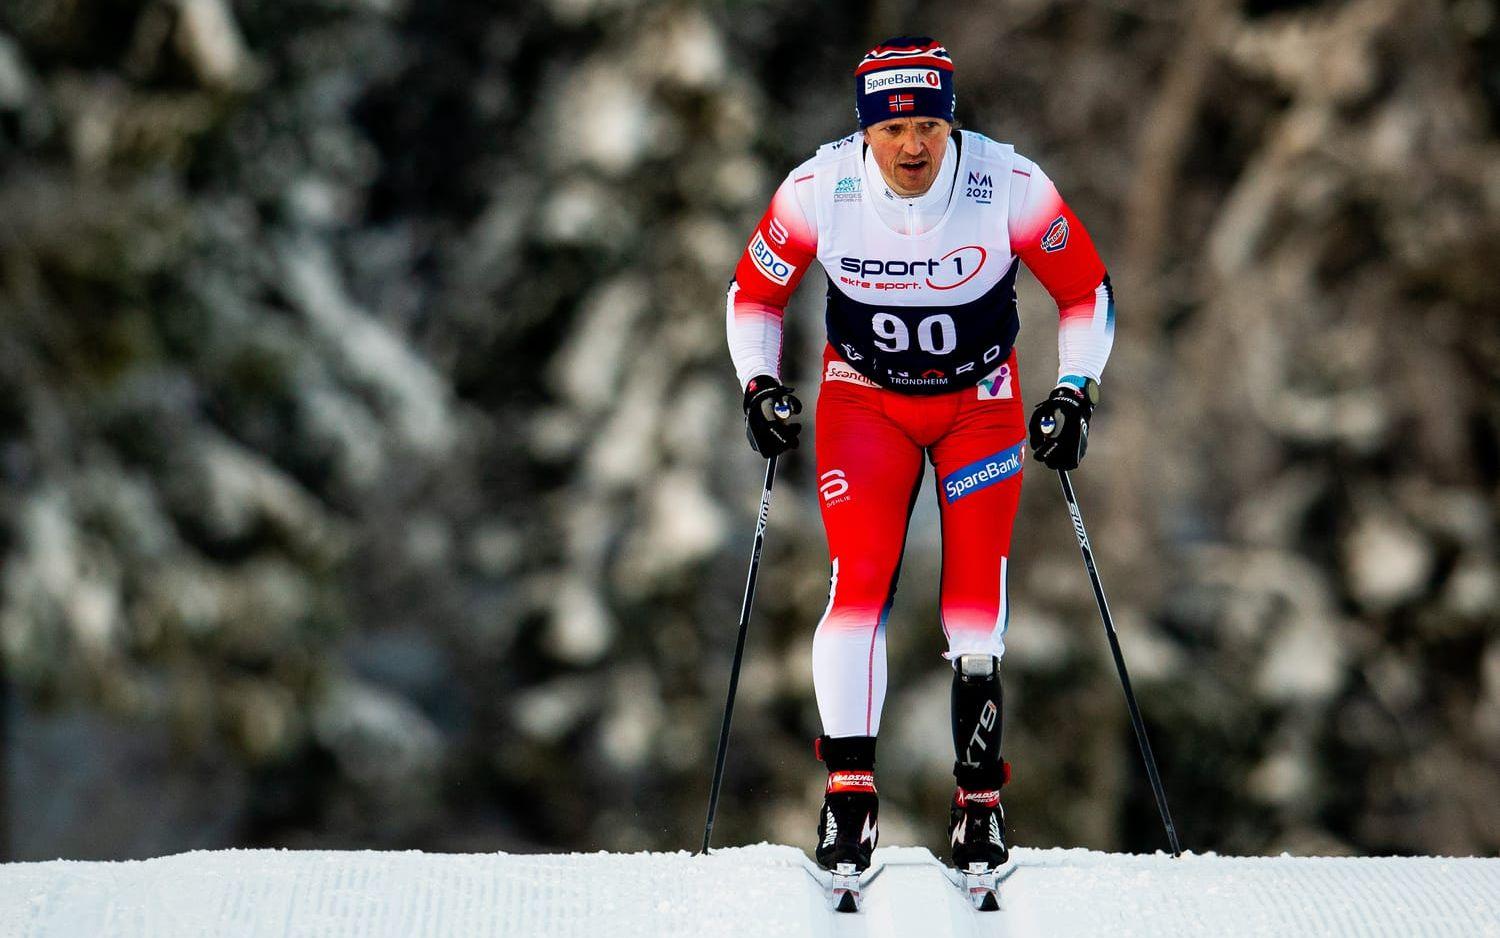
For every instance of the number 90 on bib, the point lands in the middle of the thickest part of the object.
(937, 334)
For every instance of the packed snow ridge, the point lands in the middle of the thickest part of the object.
(763, 890)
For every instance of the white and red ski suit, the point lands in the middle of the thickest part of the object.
(921, 320)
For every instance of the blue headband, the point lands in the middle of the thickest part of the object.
(904, 77)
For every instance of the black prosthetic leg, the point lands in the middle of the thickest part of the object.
(977, 822)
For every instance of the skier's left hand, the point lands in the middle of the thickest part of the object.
(1059, 426)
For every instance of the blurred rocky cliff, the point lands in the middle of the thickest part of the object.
(371, 470)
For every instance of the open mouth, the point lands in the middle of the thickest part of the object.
(913, 166)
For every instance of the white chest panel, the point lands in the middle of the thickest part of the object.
(959, 260)
(923, 313)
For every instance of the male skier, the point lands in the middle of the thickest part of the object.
(919, 227)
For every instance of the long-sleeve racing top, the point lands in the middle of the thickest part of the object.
(921, 289)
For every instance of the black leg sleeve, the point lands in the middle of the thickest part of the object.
(977, 722)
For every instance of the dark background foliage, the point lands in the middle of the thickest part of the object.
(370, 461)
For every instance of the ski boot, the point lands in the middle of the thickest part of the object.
(847, 825)
(976, 820)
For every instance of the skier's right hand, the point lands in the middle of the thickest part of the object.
(769, 407)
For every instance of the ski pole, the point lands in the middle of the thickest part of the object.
(739, 647)
(1114, 647)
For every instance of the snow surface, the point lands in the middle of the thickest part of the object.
(763, 890)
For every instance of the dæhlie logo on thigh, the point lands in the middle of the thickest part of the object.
(834, 487)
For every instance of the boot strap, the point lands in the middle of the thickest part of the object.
(982, 777)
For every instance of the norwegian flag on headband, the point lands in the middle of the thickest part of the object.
(906, 52)
(902, 102)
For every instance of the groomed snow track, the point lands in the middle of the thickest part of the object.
(749, 891)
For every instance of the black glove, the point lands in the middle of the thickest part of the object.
(770, 434)
(1060, 425)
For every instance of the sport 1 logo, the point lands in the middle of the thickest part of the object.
(953, 269)
(769, 262)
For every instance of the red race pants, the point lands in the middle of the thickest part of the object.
(870, 448)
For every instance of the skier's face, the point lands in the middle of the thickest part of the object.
(909, 151)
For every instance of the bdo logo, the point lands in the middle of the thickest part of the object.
(768, 261)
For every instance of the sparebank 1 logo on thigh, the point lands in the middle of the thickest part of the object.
(982, 474)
